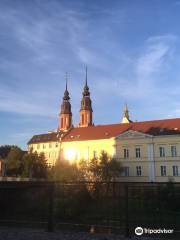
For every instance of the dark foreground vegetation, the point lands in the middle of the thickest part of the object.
(108, 207)
(84, 197)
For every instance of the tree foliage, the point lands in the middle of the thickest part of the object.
(34, 165)
(103, 169)
(23, 164)
(5, 149)
(109, 168)
(14, 162)
(65, 171)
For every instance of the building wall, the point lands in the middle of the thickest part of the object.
(51, 150)
(150, 162)
(78, 150)
(132, 161)
(168, 160)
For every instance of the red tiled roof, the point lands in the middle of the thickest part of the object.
(155, 128)
(46, 137)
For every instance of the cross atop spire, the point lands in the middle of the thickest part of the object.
(66, 93)
(86, 88)
(66, 78)
(86, 77)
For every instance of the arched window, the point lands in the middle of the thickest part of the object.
(62, 124)
(82, 118)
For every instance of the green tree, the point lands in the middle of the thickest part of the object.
(109, 169)
(66, 171)
(5, 149)
(103, 169)
(39, 166)
(14, 162)
(34, 165)
(27, 163)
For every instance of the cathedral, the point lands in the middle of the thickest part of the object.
(149, 151)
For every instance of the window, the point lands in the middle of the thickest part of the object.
(161, 151)
(125, 171)
(138, 152)
(138, 171)
(44, 146)
(50, 145)
(163, 170)
(38, 146)
(126, 153)
(83, 119)
(56, 145)
(175, 171)
(62, 124)
(173, 151)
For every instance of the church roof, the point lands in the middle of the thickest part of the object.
(46, 137)
(154, 128)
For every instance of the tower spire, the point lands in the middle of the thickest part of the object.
(125, 118)
(65, 121)
(66, 78)
(86, 92)
(86, 77)
(66, 93)
(86, 106)
(126, 111)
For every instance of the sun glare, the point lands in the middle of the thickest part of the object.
(70, 154)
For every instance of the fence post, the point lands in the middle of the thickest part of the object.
(51, 208)
(126, 211)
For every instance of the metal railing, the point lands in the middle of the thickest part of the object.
(92, 206)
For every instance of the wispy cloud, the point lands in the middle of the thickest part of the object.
(128, 58)
(12, 102)
(143, 72)
(151, 61)
(155, 59)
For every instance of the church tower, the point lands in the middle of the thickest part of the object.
(86, 107)
(65, 116)
(125, 118)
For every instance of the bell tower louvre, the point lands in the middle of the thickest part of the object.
(86, 107)
(65, 116)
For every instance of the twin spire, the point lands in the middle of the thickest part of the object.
(65, 121)
(65, 116)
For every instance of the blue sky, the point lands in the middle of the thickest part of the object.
(131, 48)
